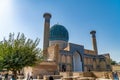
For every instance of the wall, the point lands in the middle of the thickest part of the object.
(115, 68)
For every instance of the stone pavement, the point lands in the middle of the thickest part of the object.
(79, 79)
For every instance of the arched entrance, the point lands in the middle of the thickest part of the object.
(94, 64)
(77, 62)
(103, 65)
(63, 68)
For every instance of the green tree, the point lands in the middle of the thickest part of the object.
(19, 52)
(113, 62)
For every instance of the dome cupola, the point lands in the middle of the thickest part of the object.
(58, 32)
(58, 35)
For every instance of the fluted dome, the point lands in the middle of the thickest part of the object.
(58, 32)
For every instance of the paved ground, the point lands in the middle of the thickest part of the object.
(37, 79)
(61, 79)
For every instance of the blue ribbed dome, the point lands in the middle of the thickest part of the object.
(58, 32)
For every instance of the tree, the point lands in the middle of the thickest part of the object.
(19, 52)
(113, 62)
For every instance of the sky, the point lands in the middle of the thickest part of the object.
(78, 16)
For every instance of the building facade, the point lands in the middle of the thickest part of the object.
(70, 56)
(62, 56)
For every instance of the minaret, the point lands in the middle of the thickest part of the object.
(94, 42)
(47, 17)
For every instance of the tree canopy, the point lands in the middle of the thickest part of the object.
(18, 52)
(113, 62)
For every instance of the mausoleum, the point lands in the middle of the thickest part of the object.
(64, 56)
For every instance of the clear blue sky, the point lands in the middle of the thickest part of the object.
(78, 16)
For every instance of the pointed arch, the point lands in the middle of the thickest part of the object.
(94, 63)
(63, 58)
(77, 62)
